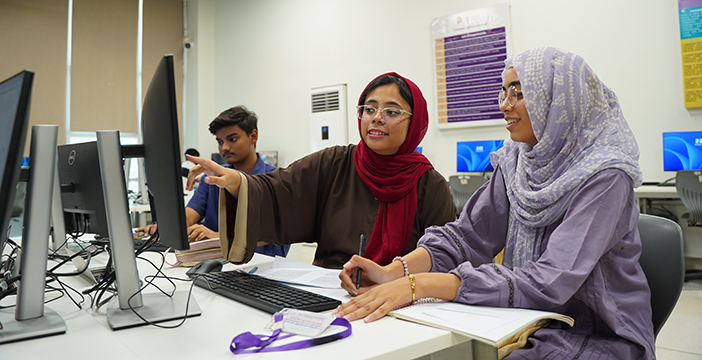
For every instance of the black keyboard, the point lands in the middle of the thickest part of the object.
(157, 246)
(263, 294)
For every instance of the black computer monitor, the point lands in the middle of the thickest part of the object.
(159, 119)
(81, 189)
(15, 95)
(30, 318)
(269, 157)
(216, 157)
(161, 153)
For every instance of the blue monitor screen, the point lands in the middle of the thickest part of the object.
(682, 151)
(474, 156)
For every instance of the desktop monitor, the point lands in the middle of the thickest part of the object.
(216, 157)
(682, 150)
(29, 318)
(81, 189)
(161, 153)
(159, 119)
(474, 156)
(269, 157)
(14, 116)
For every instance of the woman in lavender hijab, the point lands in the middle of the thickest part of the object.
(561, 204)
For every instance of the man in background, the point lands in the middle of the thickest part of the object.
(236, 132)
(187, 164)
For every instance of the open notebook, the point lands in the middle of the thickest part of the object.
(493, 325)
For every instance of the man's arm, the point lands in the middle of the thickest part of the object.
(197, 232)
(191, 216)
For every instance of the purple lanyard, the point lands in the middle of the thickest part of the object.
(247, 340)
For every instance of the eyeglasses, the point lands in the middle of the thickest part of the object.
(511, 96)
(389, 115)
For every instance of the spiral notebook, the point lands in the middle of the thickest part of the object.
(493, 325)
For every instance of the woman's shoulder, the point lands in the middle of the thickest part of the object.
(336, 150)
(328, 154)
(432, 179)
(609, 180)
(434, 175)
(611, 175)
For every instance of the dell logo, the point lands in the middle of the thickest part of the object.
(71, 157)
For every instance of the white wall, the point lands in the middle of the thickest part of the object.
(267, 54)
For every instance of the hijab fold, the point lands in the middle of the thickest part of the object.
(580, 130)
(393, 180)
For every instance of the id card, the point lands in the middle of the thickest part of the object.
(301, 322)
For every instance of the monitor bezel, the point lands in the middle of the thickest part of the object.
(13, 161)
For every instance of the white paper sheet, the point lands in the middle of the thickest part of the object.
(298, 273)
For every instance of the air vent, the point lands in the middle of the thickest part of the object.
(325, 102)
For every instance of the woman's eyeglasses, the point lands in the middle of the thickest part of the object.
(389, 115)
(511, 96)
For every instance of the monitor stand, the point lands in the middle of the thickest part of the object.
(31, 318)
(58, 236)
(154, 307)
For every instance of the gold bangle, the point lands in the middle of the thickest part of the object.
(411, 277)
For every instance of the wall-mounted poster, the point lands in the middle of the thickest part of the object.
(470, 49)
(690, 12)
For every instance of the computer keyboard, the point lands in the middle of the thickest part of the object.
(261, 293)
(156, 246)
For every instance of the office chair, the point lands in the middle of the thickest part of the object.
(689, 186)
(662, 260)
(20, 195)
(462, 187)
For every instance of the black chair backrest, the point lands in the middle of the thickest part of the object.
(462, 187)
(662, 260)
(689, 186)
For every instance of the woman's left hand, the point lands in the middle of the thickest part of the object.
(377, 302)
(380, 300)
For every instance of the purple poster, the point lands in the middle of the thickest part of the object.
(470, 49)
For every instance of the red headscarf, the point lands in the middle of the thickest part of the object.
(393, 180)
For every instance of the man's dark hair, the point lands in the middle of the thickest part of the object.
(192, 152)
(238, 115)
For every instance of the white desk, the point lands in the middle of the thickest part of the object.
(140, 214)
(644, 194)
(667, 197)
(656, 192)
(208, 336)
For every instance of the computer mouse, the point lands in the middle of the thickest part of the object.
(205, 266)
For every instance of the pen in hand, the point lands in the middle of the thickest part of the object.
(361, 252)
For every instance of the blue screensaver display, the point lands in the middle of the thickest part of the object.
(682, 150)
(474, 156)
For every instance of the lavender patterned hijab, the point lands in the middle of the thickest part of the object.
(580, 131)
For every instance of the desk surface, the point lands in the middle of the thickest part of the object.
(208, 336)
(656, 192)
